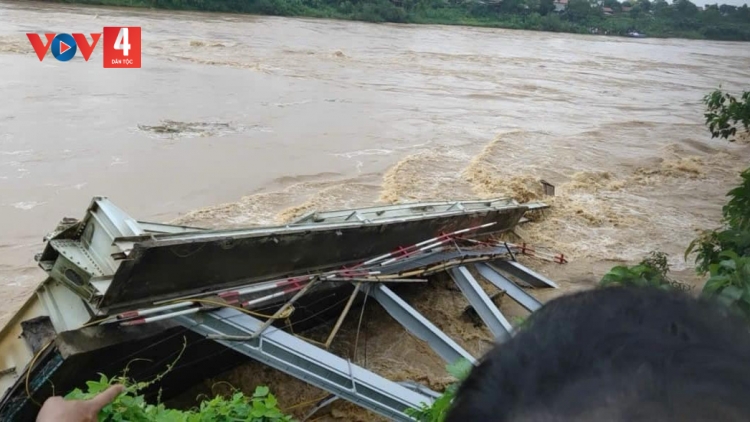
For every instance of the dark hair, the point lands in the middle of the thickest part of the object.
(615, 354)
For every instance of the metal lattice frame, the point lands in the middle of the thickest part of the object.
(498, 325)
(105, 224)
(418, 325)
(306, 362)
(511, 289)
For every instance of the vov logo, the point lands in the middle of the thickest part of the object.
(122, 46)
(64, 46)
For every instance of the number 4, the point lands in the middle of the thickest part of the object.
(121, 43)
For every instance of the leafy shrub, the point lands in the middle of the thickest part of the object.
(725, 253)
(650, 272)
(730, 282)
(440, 407)
(725, 113)
(709, 245)
(737, 211)
(734, 235)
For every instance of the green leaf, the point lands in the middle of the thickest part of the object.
(460, 369)
(715, 283)
(96, 387)
(620, 271)
(260, 391)
(273, 413)
(76, 394)
(732, 255)
(728, 265)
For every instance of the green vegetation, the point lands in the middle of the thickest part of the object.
(722, 253)
(651, 272)
(438, 411)
(131, 407)
(730, 282)
(682, 18)
(734, 235)
(725, 113)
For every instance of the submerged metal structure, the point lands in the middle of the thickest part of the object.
(117, 287)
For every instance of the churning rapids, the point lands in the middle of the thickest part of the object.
(237, 120)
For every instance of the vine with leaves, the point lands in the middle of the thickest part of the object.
(131, 406)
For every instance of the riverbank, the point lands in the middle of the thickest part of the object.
(683, 20)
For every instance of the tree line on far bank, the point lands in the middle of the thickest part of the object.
(681, 18)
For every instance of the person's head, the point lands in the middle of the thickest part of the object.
(615, 354)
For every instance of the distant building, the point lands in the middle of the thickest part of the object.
(560, 5)
(608, 11)
(627, 8)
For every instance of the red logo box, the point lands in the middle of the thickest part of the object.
(122, 47)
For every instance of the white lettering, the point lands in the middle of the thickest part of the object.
(121, 43)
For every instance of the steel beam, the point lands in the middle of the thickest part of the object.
(418, 325)
(117, 221)
(411, 385)
(419, 388)
(482, 304)
(306, 362)
(511, 289)
(527, 275)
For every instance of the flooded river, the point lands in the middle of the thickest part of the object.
(237, 120)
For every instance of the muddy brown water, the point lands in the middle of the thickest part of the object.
(238, 120)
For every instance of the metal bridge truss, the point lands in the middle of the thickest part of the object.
(344, 379)
(294, 356)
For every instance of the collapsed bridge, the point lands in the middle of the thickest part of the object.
(119, 289)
